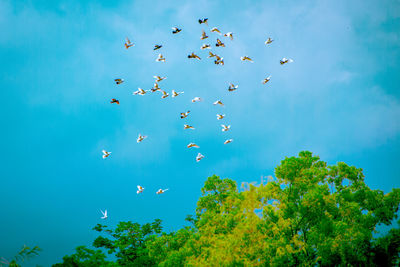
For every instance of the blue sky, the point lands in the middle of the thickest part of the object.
(338, 99)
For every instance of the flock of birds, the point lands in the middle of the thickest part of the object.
(218, 61)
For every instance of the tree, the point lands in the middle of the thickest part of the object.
(24, 254)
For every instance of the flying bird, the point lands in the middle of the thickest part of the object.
(161, 191)
(210, 54)
(285, 60)
(246, 58)
(164, 94)
(199, 157)
(140, 189)
(193, 55)
(105, 153)
(105, 216)
(232, 87)
(128, 43)
(155, 88)
(174, 94)
(228, 141)
(229, 34)
(266, 79)
(218, 102)
(119, 80)
(192, 145)
(186, 126)
(197, 99)
(158, 78)
(175, 30)
(113, 100)
(269, 40)
(203, 35)
(205, 46)
(160, 58)
(219, 43)
(225, 127)
(201, 21)
(185, 114)
(219, 61)
(141, 138)
(220, 116)
(156, 47)
(215, 30)
(140, 91)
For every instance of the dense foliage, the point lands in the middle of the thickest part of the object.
(310, 214)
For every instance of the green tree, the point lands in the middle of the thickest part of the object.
(24, 254)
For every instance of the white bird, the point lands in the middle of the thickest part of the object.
(220, 116)
(219, 61)
(192, 145)
(225, 127)
(266, 80)
(105, 216)
(128, 43)
(232, 87)
(161, 191)
(174, 94)
(185, 114)
(175, 30)
(105, 154)
(155, 88)
(228, 141)
(285, 60)
(140, 91)
(246, 58)
(140, 189)
(215, 29)
(229, 34)
(165, 94)
(187, 126)
(159, 78)
(269, 40)
(199, 157)
(218, 102)
(141, 138)
(205, 46)
(160, 58)
(197, 99)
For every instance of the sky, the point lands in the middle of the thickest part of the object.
(340, 99)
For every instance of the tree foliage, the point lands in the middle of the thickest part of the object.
(310, 214)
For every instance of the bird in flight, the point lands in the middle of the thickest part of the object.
(140, 189)
(192, 145)
(128, 43)
(158, 78)
(285, 60)
(156, 47)
(199, 157)
(164, 94)
(229, 34)
(220, 116)
(193, 55)
(246, 58)
(219, 43)
(269, 40)
(175, 30)
(141, 138)
(219, 61)
(205, 46)
(266, 79)
(215, 30)
(218, 102)
(213, 55)
(155, 88)
(160, 58)
(105, 153)
(174, 93)
(203, 35)
(161, 191)
(186, 126)
(232, 87)
(196, 99)
(140, 91)
(225, 127)
(185, 114)
(113, 100)
(228, 141)
(119, 80)
(201, 21)
(105, 216)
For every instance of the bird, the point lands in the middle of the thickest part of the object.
(128, 43)
(156, 47)
(119, 80)
(165, 94)
(161, 191)
(220, 116)
(113, 100)
(205, 46)
(269, 40)
(140, 189)
(228, 141)
(197, 99)
(140, 91)
(105, 216)
(192, 145)
(201, 21)
(174, 93)
(266, 79)
(160, 58)
(214, 29)
(199, 157)
(175, 30)
(193, 55)
(105, 153)
(232, 87)
(246, 58)
(210, 54)
(229, 34)
(218, 102)
(159, 78)
(185, 114)
(225, 127)
(141, 138)
(203, 35)
(285, 60)
(219, 61)
(155, 88)
(219, 43)
(186, 126)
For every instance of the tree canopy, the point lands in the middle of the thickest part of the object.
(310, 214)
